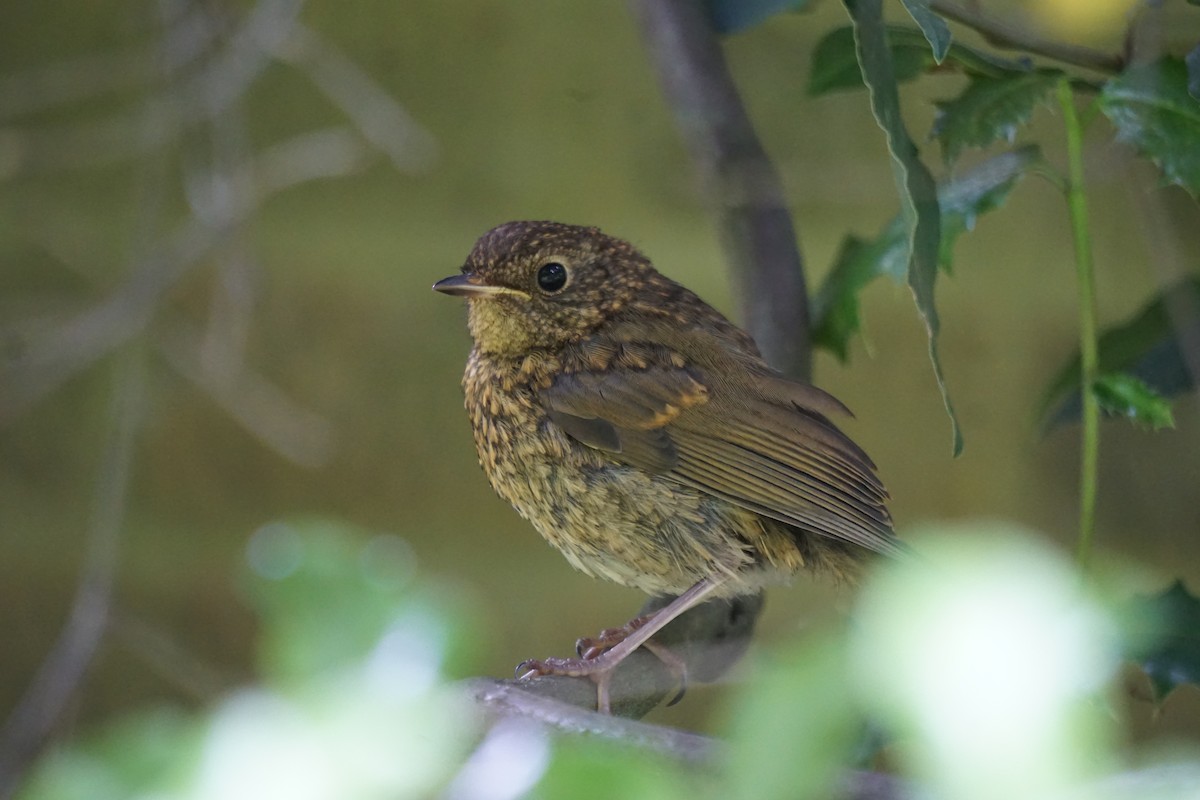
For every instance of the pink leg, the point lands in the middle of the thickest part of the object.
(600, 668)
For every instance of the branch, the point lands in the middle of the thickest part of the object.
(739, 178)
(708, 639)
(508, 700)
(1007, 36)
(33, 720)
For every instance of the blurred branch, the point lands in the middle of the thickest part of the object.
(516, 699)
(511, 699)
(299, 435)
(33, 720)
(1000, 33)
(739, 178)
(160, 651)
(379, 118)
(185, 40)
(270, 32)
(46, 363)
(180, 106)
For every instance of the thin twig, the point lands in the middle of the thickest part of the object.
(32, 722)
(46, 363)
(739, 178)
(1003, 34)
(1088, 345)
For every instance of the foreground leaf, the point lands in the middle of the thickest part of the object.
(990, 109)
(1151, 108)
(835, 64)
(935, 29)
(1170, 655)
(1151, 348)
(915, 184)
(836, 305)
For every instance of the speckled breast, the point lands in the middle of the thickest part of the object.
(610, 520)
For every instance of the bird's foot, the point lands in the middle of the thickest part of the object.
(588, 647)
(597, 661)
(599, 670)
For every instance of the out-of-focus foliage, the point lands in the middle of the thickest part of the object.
(982, 662)
(835, 307)
(1150, 350)
(731, 16)
(1151, 108)
(1170, 655)
(990, 109)
(835, 67)
(352, 700)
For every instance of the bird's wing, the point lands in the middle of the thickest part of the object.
(765, 445)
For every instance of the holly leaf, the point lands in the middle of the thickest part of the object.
(1170, 654)
(914, 183)
(990, 109)
(836, 310)
(935, 29)
(1152, 109)
(1151, 349)
(835, 64)
(731, 16)
(1123, 395)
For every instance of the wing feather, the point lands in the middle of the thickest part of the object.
(765, 445)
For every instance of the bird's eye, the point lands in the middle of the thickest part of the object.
(552, 276)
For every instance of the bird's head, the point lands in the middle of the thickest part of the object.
(544, 284)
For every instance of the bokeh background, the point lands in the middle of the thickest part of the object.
(238, 209)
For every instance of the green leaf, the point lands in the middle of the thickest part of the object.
(1170, 654)
(935, 29)
(731, 16)
(775, 752)
(836, 316)
(835, 64)
(1123, 395)
(1151, 347)
(989, 109)
(591, 768)
(326, 592)
(915, 184)
(1151, 108)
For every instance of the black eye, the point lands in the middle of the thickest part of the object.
(552, 276)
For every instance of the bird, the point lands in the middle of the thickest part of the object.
(642, 434)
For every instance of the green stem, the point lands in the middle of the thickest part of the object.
(1077, 207)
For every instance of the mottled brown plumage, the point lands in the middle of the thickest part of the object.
(641, 433)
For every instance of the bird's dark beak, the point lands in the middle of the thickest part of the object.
(468, 285)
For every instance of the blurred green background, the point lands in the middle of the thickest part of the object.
(311, 320)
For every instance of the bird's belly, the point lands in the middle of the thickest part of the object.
(623, 524)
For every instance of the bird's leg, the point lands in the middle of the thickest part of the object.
(589, 648)
(599, 668)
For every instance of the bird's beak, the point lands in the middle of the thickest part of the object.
(468, 285)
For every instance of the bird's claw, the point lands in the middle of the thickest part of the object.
(568, 667)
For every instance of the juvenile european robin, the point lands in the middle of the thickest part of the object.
(642, 434)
